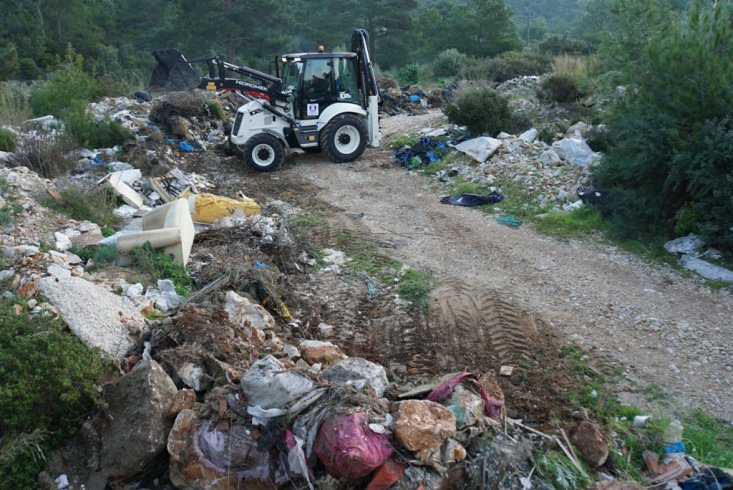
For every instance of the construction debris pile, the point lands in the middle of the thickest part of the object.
(225, 388)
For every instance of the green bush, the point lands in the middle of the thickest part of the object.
(449, 63)
(85, 131)
(555, 45)
(48, 386)
(8, 141)
(409, 74)
(559, 88)
(510, 65)
(68, 83)
(480, 109)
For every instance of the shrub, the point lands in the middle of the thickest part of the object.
(48, 386)
(559, 88)
(95, 205)
(480, 109)
(556, 45)
(8, 140)
(85, 131)
(14, 107)
(450, 62)
(69, 82)
(45, 155)
(409, 74)
(515, 64)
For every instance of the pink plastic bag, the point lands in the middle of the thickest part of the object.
(347, 447)
(445, 391)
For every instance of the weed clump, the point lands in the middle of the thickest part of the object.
(162, 266)
(45, 155)
(96, 205)
(8, 141)
(481, 110)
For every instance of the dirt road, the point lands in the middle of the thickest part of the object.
(669, 333)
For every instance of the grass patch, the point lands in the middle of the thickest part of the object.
(14, 106)
(578, 223)
(433, 168)
(415, 286)
(162, 266)
(48, 386)
(706, 438)
(309, 220)
(516, 200)
(400, 140)
(366, 258)
(96, 205)
(560, 472)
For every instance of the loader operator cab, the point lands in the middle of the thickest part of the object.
(317, 80)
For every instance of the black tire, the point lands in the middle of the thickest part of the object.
(344, 138)
(263, 152)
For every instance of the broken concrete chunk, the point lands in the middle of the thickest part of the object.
(194, 376)
(57, 271)
(127, 193)
(244, 313)
(98, 317)
(422, 426)
(354, 370)
(480, 149)
(550, 158)
(138, 424)
(268, 384)
(317, 352)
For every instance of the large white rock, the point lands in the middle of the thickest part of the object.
(355, 370)
(480, 149)
(575, 151)
(706, 269)
(98, 317)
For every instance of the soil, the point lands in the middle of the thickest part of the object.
(505, 297)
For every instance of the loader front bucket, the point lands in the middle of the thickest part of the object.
(172, 72)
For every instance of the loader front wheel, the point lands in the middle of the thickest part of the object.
(344, 138)
(263, 152)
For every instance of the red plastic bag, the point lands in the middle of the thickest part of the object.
(443, 392)
(347, 447)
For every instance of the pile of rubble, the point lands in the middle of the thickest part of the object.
(225, 388)
(550, 174)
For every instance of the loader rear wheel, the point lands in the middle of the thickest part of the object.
(344, 138)
(263, 152)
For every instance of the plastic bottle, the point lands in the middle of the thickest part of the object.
(672, 438)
